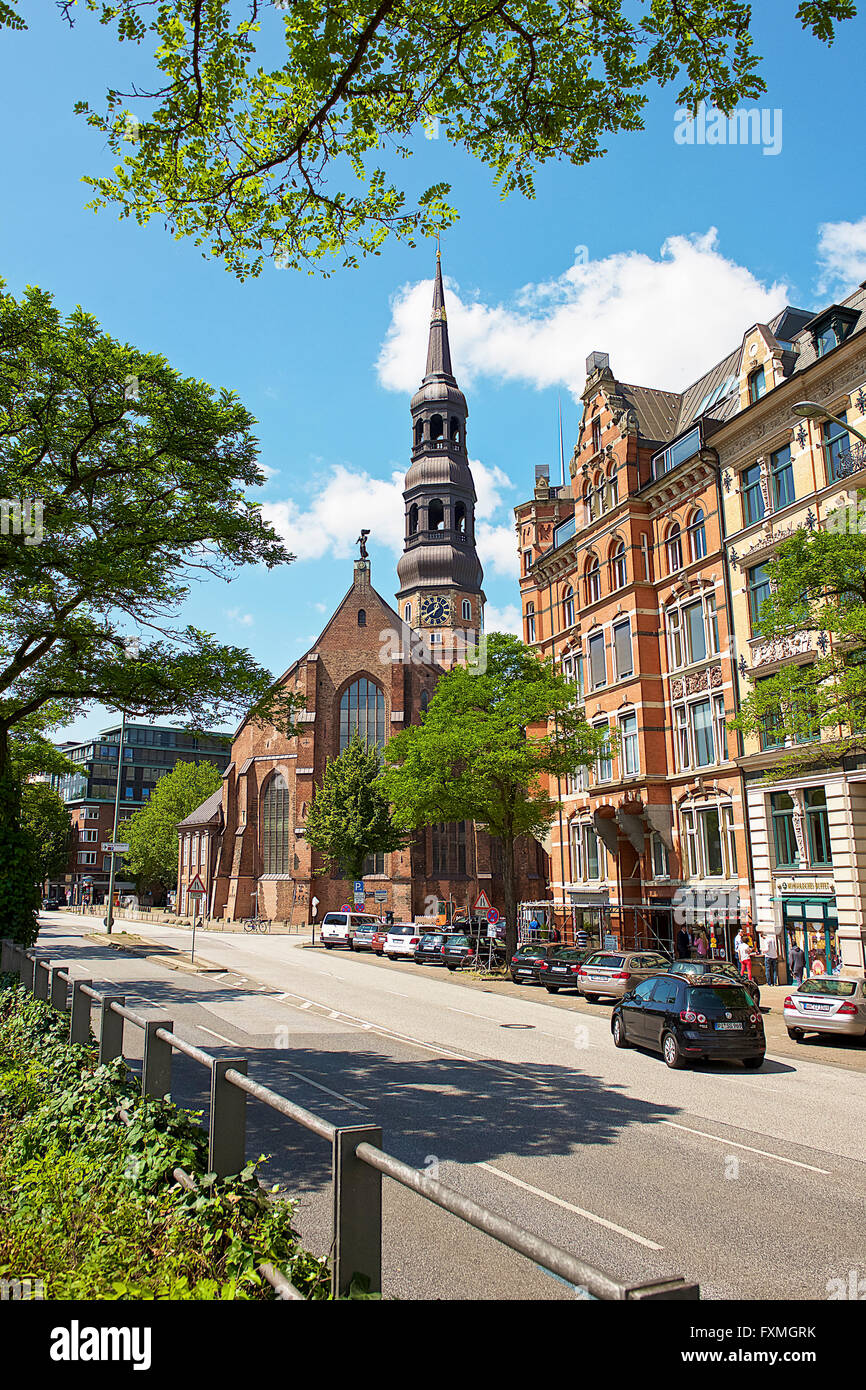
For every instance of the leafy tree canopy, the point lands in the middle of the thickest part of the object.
(817, 707)
(488, 747)
(270, 127)
(349, 817)
(151, 833)
(45, 822)
(130, 482)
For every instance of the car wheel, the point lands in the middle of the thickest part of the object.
(752, 1063)
(671, 1051)
(619, 1037)
(796, 1034)
(329, 946)
(452, 967)
(552, 989)
(591, 998)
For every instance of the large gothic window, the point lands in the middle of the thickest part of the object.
(449, 848)
(275, 826)
(362, 712)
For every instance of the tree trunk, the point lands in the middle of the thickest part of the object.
(509, 893)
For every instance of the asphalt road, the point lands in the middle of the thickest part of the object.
(751, 1183)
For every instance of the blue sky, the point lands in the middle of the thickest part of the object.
(660, 253)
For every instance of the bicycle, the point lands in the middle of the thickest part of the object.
(259, 924)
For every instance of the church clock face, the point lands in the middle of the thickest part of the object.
(435, 611)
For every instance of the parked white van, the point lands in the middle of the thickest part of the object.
(338, 928)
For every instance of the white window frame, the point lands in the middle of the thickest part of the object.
(87, 856)
(604, 762)
(597, 637)
(586, 831)
(663, 857)
(629, 745)
(623, 623)
(575, 850)
(720, 728)
(467, 610)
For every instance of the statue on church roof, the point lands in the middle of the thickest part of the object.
(362, 542)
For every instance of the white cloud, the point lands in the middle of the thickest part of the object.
(841, 255)
(505, 619)
(347, 499)
(497, 549)
(663, 321)
(235, 615)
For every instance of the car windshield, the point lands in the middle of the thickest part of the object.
(528, 950)
(402, 931)
(567, 953)
(706, 999)
(334, 919)
(839, 988)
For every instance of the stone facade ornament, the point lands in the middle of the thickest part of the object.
(782, 648)
(799, 819)
(676, 690)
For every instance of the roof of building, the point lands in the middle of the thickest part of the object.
(208, 813)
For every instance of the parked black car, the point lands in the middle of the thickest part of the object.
(429, 948)
(459, 949)
(712, 1017)
(50, 904)
(701, 966)
(523, 963)
(559, 969)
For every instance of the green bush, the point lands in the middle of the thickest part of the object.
(89, 1204)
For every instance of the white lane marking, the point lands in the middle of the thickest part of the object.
(201, 1028)
(569, 1206)
(307, 1081)
(307, 1004)
(484, 1017)
(732, 1144)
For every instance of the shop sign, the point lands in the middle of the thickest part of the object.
(805, 885)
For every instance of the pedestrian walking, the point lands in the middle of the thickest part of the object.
(684, 944)
(770, 952)
(797, 962)
(701, 947)
(744, 952)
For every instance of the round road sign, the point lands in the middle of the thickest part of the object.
(493, 915)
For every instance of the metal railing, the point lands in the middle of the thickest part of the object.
(358, 1159)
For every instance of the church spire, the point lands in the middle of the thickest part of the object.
(438, 347)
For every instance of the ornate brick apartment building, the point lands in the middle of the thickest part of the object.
(634, 578)
(371, 671)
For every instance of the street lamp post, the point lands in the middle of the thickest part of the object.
(110, 914)
(811, 410)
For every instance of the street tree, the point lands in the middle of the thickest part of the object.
(274, 128)
(124, 482)
(151, 833)
(815, 707)
(46, 824)
(30, 752)
(349, 817)
(486, 750)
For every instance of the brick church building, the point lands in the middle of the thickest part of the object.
(372, 671)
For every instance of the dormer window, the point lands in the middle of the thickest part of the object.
(757, 385)
(831, 328)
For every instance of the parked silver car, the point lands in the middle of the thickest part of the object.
(615, 973)
(827, 1004)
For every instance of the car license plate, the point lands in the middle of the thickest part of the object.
(596, 977)
(729, 1026)
(817, 1008)
(559, 970)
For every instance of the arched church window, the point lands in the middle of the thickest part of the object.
(436, 515)
(362, 617)
(425, 699)
(413, 519)
(274, 820)
(362, 713)
(467, 610)
(455, 428)
(437, 427)
(407, 612)
(460, 518)
(419, 431)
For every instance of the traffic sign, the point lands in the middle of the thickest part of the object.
(195, 887)
(482, 902)
(115, 848)
(381, 895)
(359, 887)
(492, 916)
(345, 908)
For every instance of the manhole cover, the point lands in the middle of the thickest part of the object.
(517, 1025)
